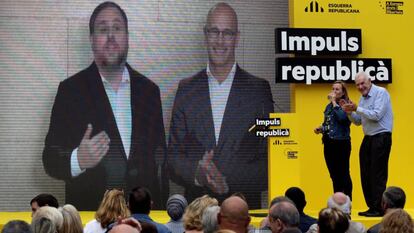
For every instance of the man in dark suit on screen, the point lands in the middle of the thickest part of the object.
(210, 147)
(106, 126)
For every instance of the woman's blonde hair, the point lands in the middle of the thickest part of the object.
(194, 212)
(112, 206)
(72, 222)
(50, 213)
(397, 221)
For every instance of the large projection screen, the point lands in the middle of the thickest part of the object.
(44, 42)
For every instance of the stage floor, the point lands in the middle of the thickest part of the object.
(162, 217)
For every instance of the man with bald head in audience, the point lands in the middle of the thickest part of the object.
(283, 215)
(127, 225)
(234, 215)
(211, 149)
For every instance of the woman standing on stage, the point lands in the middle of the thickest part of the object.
(336, 140)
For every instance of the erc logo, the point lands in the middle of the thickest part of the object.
(314, 7)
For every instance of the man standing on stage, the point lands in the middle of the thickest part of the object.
(374, 112)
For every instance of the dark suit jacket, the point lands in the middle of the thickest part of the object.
(80, 100)
(239, 155)
(374, 229)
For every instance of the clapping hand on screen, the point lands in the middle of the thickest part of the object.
(92, 149)
(208, 175)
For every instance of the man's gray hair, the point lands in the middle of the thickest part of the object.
(363, 74)
(286, 212)
(345, 207)
(209, 219)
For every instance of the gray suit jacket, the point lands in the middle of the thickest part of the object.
(239, 155)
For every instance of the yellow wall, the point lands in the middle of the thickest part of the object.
(383, 36)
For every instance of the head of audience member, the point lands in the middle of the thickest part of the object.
(296, 195)
(393, 198)
(397, 221)
(148, 227)
(50, 213)
(123, 228)
(234, 215)
(224, 231)
(140, 201)
(221, 36)
(176, 205)
(283, 215)
(291, 230)
(108, 34)
(193, 214)
(342, 202)
(280, 199)
(72, 222)
(265, 222)
(16, 226)
(113, 205)
(363, 83)
(43, 199)
(43, 225)
(209, 220)
(332, 220)
(125, 225)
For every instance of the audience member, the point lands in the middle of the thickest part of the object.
(397, 221)
(140, 204)
(343, 203)
(292, 230)
(176, 205)
(332, 220)
(16, 226)
(209, 220)
(43, 225)
(234, 215)
(113, 205)
(123, 228)
(298, 197)
(148, 227)
(43, 199)
(193, 214)
(224, 231)
(132, 222)
(283, 215)
(50, 213)
(392, 198)
(265, 224)
(72, 222)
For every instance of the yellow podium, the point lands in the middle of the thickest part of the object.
(284, 155)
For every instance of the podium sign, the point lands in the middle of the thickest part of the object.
(284, 155)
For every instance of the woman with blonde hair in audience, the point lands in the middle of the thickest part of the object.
(193, 214)
(43, 225)
(71, 220)
(397, 221)
(113, 205)
(50, 213)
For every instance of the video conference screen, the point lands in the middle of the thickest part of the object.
(158, 94)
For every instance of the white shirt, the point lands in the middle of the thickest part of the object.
(121, 107)
(219, 94)
(93, 227)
